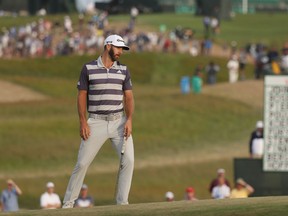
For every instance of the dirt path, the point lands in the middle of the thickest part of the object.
(11, 93)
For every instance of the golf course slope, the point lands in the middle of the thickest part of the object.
(272, 206)
(11, 93)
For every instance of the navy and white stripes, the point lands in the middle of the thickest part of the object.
(105, 86)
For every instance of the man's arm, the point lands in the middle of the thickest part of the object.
(129, 110)
(18, 190)
(82, 106)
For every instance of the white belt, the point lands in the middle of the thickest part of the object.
(109, 117)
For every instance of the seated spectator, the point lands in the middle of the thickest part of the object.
(214, 182)
(256, 143)
(242, 189)
(84, 200)
(221, 191)
(9, 197)
(49, 199)
(190, 194)
(169, 196)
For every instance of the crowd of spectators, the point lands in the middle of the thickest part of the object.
(219, 188)
(44, 38)
(48, 200)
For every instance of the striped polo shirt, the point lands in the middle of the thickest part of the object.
(105, 86)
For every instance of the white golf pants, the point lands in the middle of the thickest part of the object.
(100, 131)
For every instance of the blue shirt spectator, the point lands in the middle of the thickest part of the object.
(9, 197)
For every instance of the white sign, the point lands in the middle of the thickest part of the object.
(276, 123)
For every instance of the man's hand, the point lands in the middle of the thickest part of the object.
(84, 130)
(128, 128)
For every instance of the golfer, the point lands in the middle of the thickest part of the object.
(105, 91)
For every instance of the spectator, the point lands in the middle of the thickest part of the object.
(190, 194)
(84, 200)
(214, 182)
(284, 60)
(197, 83)
(256, 143)
(221, 191)
(214, 25)
(242, 63)
(206, 24)
(169, 196)
(9, 197)
(133, 15)
(233, 66)
(261, 62)
(212, 69)
(242, 189)
(49, 199)
(207, 46)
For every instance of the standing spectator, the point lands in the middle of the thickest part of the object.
(190, 194)
(206, 24)
(284, 60)
(215, 25)
(233, 67)
(49, 199)
(9, 197)
(256, 143)
(261, 62)
(221, 191)
(169, 196)
(214, 182)
(212, 69)
(133, 15)
(197, 82)
(242, 63)
(207, 46)
(68, 24)
(272, 54)
(242, 189)
(84, 200)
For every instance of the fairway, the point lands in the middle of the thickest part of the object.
(272, 206)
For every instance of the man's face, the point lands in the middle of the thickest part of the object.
(50, 190)
(115, 52)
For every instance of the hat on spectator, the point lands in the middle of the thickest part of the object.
(259, 124)
(116, 40)
(241, 181)
(169, 195)
(190, 190)
(221, 170)
(84, 186)
(9, 181)
(50, 185)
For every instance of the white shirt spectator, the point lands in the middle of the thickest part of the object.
(48, 199)
(258, 147)
(220, 192)
(233, 66)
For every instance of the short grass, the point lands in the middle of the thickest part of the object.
(273, 206)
